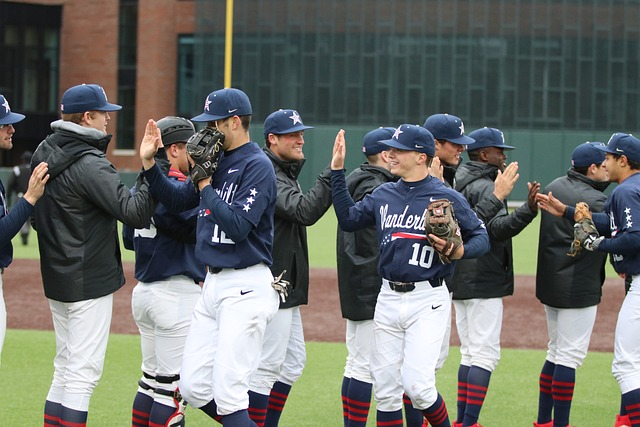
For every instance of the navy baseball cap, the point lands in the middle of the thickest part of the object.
(623, 144)
(81, 98)
(6, 116)
(447, 127)
(282, 122)
(412, 138)
(586, 154)
(488, 137)
(373, 142)
(224, 103)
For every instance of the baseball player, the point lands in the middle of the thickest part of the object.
(79, 247)
(619, 236)
(450, 143)
(11, 222)
(413, 306)
(234, 236)
(359, 284)
(283, 352)
(569, 287)
(162, 302)
(481, 283)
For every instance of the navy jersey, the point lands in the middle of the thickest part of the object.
(397, 210)
(235, 212)
(623, 210)
(167, 247)
(246, 182)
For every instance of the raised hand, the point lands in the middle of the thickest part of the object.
(503, 185)
(436, 169)
(550, 204)
(339, 151)
(534, 189)
(151, 141)
(37, 181)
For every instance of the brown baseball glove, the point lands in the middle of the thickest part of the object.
(439, 220)
(584, 230)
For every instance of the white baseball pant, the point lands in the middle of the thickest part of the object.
(224, 343)
(569, 334)
(407, 338)
(82, 331)
(479, 323)
(626, 349)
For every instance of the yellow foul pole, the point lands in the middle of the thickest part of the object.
(228, 44)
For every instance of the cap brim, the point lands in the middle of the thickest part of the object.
(293, 129)
(204, 117)
(109, 107)
(462, 140)
(12, 118)
(395, 144)
(605, 149)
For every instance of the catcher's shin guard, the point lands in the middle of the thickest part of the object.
(177, 418)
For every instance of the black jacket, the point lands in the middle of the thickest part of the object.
(358, 252)
(563, 281)
(295, 210)
(77, 216)
(491, 275)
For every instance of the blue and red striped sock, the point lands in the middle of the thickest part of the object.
(141, 410)
(564, 381)
(358, 402)
(631, 402)
(258, 407)
(211, 409)
(72, 418)
(345, 406)
(52, 413)
(437, 414)
(477, 386)
(389, 419)
(463, 375)
(545, 400)
(412, 416)
(277, 399)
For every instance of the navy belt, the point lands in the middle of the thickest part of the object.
(216, 270)
(402, 286)
(410, 286)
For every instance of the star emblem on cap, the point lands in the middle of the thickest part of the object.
(6, 106)
(206, 104)
(461, 128)
(397, 133)
(295, 117)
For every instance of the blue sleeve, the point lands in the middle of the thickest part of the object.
(350, 217)
(477, 245)
(11, 223)
(175, 195)
(624, 244)
(234, 225)
(127, 237)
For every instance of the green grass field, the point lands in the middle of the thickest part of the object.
(26, 368)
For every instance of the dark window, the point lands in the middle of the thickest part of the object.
(127, 57)
(545, 64)
(30, 69)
